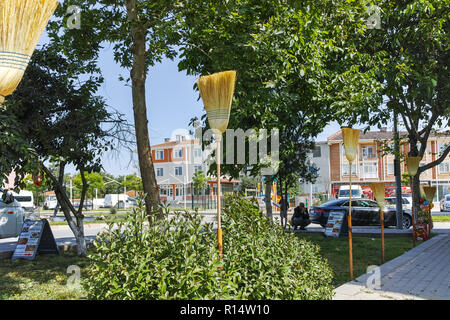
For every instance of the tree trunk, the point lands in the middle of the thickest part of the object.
(67, 207)
(138, 77)
(268, 200)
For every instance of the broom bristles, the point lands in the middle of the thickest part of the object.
(216, 91)
(350, 137)
(378, 190)
(21, 25)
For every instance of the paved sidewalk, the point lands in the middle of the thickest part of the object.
(421, 273)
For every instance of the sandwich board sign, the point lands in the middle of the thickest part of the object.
(336, 224)
(36, 237)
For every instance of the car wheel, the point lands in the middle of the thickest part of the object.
(406, 222)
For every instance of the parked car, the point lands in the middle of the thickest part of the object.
(445, 203)
(344, 192)
(406, 202)
(12, 215)
(87, 204)
(365, 212)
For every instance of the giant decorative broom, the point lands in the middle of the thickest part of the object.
(379, 193)
(21, 25)
(429, 196)
(413, 164)
(351, 138)
(217, 92)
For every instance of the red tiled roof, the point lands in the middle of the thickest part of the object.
(369, 135)
(174, 143)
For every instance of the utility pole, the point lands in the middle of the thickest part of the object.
(398, 177)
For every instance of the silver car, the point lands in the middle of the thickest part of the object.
(12, 215)
(445, 203)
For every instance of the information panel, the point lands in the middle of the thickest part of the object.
(336, 224)
(36, 237)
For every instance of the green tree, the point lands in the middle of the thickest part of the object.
(298, 64)
(93, 180)
(61, 122)
(132, 182)
(414, 41)
(141, 33)
(199, 180)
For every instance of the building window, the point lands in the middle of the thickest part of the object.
(178, 153)
(159, 172)
(159, 154)
(178, 171)
(317, 152)
(441, 147)
(367, 152)
(390, 168)
(179, 190)
(197, 168)
(369, 170)
(444, 167)
(197, 153)
(345, 168)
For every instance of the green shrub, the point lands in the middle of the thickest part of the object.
(268, 263)
(177, 259)
(112, 210)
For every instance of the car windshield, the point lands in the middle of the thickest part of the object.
(332, 203)
(346, 193)
(23, 198)
(390, 200)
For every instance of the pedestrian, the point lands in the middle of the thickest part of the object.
(301, 217)
(284, 205)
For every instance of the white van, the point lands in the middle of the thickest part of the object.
(50, 202)
(344, 192)
(26, 199)
(113, 200)
(12, 215)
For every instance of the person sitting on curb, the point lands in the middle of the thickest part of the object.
(301, 217)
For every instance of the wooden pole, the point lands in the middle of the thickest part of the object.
(382, 233)
(219, 225)
(349, 220)
(412, 214)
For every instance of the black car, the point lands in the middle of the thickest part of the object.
(365, 212)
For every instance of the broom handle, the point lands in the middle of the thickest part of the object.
(350, 241)
(219, 224)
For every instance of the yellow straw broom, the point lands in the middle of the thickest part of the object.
(378, 189)
(351, 139)
(21, 25)
(216, 91)
(429, 195)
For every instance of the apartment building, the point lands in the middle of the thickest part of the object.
(176, 162)
(371, 165)
(320, 158)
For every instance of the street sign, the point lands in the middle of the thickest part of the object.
(336, 224)
(36, 237)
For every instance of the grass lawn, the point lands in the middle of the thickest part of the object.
(45, 278)
(366, 252)
(439, 218)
